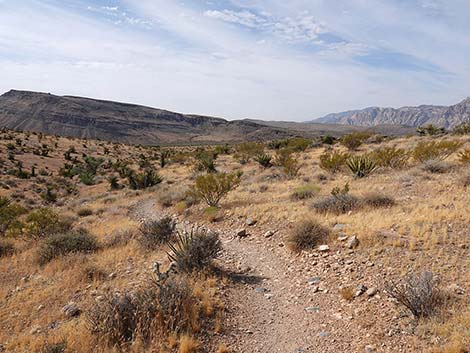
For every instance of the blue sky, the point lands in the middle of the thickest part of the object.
(267, 59)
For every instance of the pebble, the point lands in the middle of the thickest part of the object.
(269, 234)
(352, 242)
(371, 291)
(250, 222)
(312, 309)
(324, 248)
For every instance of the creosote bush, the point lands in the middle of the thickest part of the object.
(154, 233)
(307, 235)
(194, 250)
(66, 243)
(391, 157)
(435, 150)
(419, 293)
(44, 222)
(334, 161)
(212, 187)
(289, 164)
(353, 140)
(9, 217)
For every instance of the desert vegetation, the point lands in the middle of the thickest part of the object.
(107, 247)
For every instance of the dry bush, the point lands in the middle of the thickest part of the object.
(54, 347)
(147, 314)
(172, 196)
(436, 166)
(66, 243)
(212, 187)
(377, 200)
(154, 233)
(306, 235)
(334, 161)
(188, 344)
(347, 293)
(6, 248)
(464, 156)
(337, 204)
(419, 293)
(93, 272)
(435, 150)
(195, 250)
(119, 238)
(305, 192)
(85, 212)
(290, 165)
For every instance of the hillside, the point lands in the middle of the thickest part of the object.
(121, 122)
(447, 117)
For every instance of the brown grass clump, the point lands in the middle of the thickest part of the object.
(307, 235)
(154, 233)
(188, 344)
(6, 248)
(223, 349)
(347, 293)
(377, 200)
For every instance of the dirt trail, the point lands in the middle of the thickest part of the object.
(278, 302)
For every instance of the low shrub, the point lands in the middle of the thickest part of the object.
(154, 233)
(391, 157)
(361, 166)
(194, 250)
(334, 161)
(307, 235)
(212, 214)
(119, 238)
(339, 202)
(146, 179)
(10, 213)
(66, 243)
(205, 161)
(212, 187)
(85, 212)
(6, 248)
(248, 150)
(436, 166)
(377, 200)
(305, 192)
(44, 222)
(435, 150)
(353, 140)
(419, 293)
(113, 181)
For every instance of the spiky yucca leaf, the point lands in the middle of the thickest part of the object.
(361, 166)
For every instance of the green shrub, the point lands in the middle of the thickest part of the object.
(430, 130)
(298, 144)
(213, 187)
(353, 140)
(305, 192)
(307, 235)
(264, 160)
(6, 248)
(195, 250)
(437, 150)
(87, 178)
(290, 165)
(49, 195)
(9, 217)
(390, 157)
(44, 222)
(464, 156)
(334, 161)
(462, 129)
(361, 166)
(146, 179)
(66, 243)
(328, 140)
(205, 161)
(154, 233)
(113, 182)
(248, 150)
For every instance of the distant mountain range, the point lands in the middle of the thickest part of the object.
(442, 116)
(135, 124)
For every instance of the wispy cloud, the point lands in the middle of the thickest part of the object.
(237, 58)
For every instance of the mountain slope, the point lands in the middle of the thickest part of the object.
(121, 122)
(448, 117)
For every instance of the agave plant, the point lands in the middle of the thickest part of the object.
(361, 166)
(264, 160)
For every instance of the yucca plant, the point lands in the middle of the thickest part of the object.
(264, 160)
(361, 166)
(194, 250)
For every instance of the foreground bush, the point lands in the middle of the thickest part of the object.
(419, 293)
(334, 161)
(307, 235)
(146, 179)
(361, 166)
(435, 150)
(156, 232)
(213, 187)
(194, 250)
(66, 243)
(147, 314)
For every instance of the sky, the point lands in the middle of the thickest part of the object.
(263, 59)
